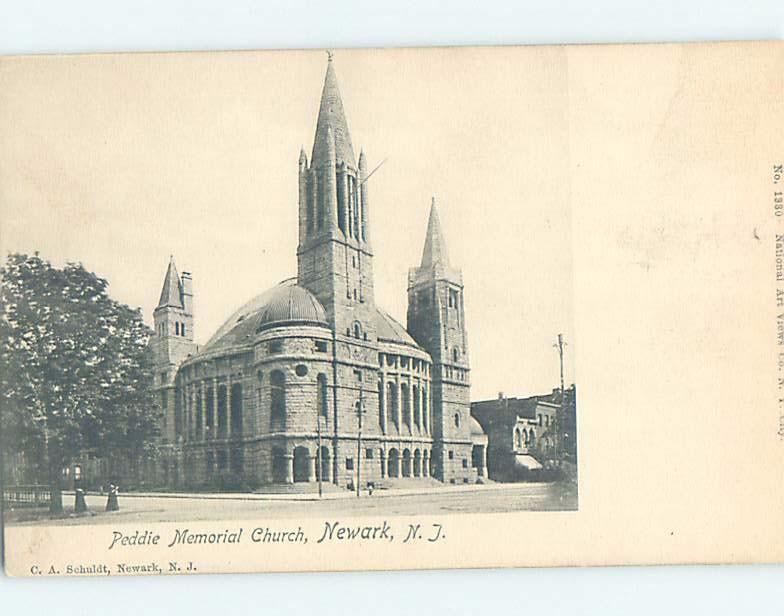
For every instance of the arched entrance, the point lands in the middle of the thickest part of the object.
(393, 466)
(301, 464)
(323, 473)
(406, 462)
(417, 463)
(278, 465)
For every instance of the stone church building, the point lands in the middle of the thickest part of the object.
(311, 379)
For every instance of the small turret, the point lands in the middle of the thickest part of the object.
(364, 196)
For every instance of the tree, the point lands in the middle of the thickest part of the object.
(75, 369)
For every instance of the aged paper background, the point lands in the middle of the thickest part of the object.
(668, 177)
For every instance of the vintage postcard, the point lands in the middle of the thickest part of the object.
(328, 310)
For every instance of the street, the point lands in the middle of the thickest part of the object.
(161, 508)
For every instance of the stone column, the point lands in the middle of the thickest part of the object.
(483, 470)
(191, 411)
(312, 468)
(425, 466)
(289, 461)
(382, 406)
(346, 221)
(358, 208)
(203, 389)
(411, 418)
(399, 405)
(214, 409)
(228, 407)
(383, 464)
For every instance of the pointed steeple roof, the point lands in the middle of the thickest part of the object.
(332, 118)
(434, 253)
(171, 293)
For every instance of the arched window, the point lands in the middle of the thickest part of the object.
(518, 438)
(210, 418)
(177, 328)
(406, 404)
(392, 403)
(277, 395)
(182, 329)
(236, 409)
(532, 438)
(525, 436)
(417, 406)
(425, 409)
(222, 400)
(455, 354)
(322, 395)
(357, 328)
(457, 420)
(382, 407)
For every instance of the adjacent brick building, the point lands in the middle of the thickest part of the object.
(311, 378)
(521, 433)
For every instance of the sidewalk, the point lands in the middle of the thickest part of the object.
(327, 495)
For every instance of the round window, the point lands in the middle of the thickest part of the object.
(301, 370)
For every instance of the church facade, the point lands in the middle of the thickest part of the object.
(311, 380)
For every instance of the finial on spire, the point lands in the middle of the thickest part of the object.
(330, 53)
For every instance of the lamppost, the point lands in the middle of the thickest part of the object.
(320, 469)
(360, 412)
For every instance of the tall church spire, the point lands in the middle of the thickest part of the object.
(332, 118)
(171, 293)
(434, 254)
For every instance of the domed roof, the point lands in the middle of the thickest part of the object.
(285, 304)
(476, 428)
(389, 330)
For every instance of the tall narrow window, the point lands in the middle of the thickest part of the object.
(341, 201)
(322, 395)
(182, 329)
(392, 403)
(236, 409)
(382, 407)
(277, 395)
(406, 404)
(222, 410)
(417, 406)
(176, 328)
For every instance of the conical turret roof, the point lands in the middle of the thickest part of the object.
(434, 253)
(332, 119)
(171, 293)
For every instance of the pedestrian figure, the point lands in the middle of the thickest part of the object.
(80, 505)
(111, 502)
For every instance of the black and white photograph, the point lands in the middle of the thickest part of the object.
(130, 396)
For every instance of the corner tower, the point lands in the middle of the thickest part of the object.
(436, 320)
(172, 342)
(334, 257)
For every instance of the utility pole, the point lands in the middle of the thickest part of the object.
(560, 412)
(360, 410)
(320, 469)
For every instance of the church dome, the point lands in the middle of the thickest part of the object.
(475, 427)
(291, 303)
(285, 304)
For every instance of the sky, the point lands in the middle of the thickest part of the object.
(120, 160)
